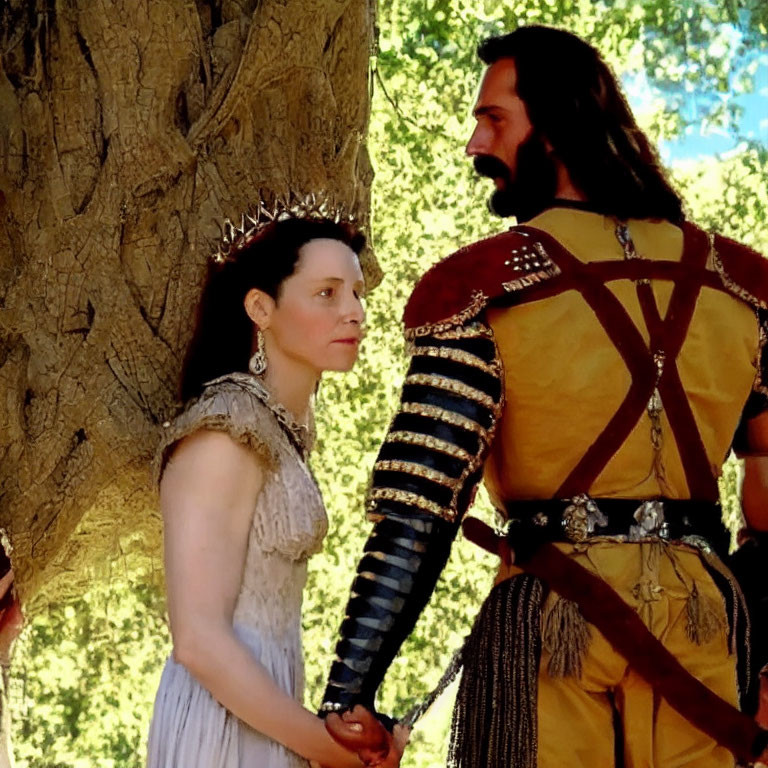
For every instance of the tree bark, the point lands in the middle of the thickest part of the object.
(127, 130)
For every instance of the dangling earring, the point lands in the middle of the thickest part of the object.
(257, 365)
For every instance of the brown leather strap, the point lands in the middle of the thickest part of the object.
(667, 334)
(625, 631)
(630, 344)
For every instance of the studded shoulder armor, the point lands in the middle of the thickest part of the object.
(460, 286)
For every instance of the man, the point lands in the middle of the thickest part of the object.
(594, 364)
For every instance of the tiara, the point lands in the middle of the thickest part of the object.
(260, 215)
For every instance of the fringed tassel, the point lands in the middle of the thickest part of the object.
(566, 637)
(495, 719)
(703, 618)
(739, 624)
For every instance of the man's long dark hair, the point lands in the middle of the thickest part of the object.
(575, 104)
(223, 334)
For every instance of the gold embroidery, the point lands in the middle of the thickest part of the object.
(526, 263)
(441, 414)
(474, 330)
(414, 499)
(428, 441)
(417, 470)
(451, 385)
(759, 385)
(734, 287)
(476, 304)
(459, 356)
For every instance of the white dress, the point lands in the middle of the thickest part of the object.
(190, 729)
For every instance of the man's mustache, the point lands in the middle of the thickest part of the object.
(488, 165)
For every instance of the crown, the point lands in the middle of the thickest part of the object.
(260, 215)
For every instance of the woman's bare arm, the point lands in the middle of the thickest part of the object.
(207, 495)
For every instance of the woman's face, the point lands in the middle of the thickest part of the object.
(316, 320)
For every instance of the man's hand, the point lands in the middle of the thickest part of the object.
(359, 731)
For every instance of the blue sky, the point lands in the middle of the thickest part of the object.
(698, 142)
(728, 44)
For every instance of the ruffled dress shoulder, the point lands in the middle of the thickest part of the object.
(190, 729)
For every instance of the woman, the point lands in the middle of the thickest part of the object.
(241, 510)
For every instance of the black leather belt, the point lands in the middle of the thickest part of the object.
(582, 518)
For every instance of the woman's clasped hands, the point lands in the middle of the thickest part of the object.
(359, 731)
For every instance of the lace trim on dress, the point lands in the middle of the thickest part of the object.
(301, 436)
(241, 406)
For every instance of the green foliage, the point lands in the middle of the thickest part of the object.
(84, 678)
(85, 674)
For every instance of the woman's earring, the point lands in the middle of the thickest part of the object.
(257, 365)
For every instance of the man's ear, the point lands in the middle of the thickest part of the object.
(259, 307)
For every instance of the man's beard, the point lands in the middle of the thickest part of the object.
(533, 186)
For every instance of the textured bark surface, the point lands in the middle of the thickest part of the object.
(127, 130)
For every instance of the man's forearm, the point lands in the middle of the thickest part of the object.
(395, 579)
(423, 482)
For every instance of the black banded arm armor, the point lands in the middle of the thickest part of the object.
(423, 481)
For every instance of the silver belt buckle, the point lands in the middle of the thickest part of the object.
(650, 521)
(581, 517)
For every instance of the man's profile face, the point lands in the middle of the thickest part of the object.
(503, 128)
(502, 119)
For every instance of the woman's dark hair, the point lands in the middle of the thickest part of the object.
(223, 334)
(575, 103)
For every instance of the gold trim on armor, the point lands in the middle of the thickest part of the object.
(458, 356)
(525, 282)
(428, 441)
(535, 268)
(450, 385)
(473, 330)
(734, 287)
(760, 385)
(486, 437)
(442, 414)
(414, 499)
(475, 305)
(417, 470)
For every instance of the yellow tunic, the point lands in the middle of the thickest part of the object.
(564, 378)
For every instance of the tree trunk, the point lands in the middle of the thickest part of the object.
(127, 130)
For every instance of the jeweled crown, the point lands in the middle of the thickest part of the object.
(260, 215)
